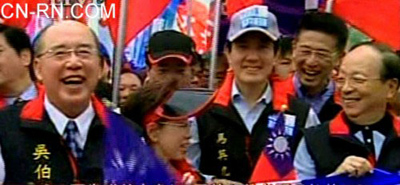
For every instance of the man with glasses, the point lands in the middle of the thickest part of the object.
(365, 134)
(16, 56)
(317, 50)
(61, 136)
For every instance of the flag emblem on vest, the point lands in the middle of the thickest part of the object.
(275, 162)
(277, 149)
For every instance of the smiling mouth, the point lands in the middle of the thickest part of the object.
(252, 69)
(311, 73)
(73, 80)
(350, 100)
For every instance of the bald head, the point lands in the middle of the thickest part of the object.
(388, 61)
(63, 29)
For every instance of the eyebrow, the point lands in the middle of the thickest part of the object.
(65, 46)
(353, 73)
(318, 49)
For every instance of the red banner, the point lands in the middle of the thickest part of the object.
(378, 19)
(140, 14)
(233, 6)
(201, 25)
(9, 11)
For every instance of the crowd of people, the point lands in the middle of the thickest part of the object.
(305, 107)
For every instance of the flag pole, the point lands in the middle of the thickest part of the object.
(329, 6)
(189, 7)
(119, 50)
(214, 52)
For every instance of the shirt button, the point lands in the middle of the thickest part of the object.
(366, 128)
(368, 140)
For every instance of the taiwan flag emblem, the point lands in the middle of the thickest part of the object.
(276, 162)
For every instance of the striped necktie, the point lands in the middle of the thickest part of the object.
(70, 135)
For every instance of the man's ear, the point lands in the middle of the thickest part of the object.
(339, 58)
(393, 85)
(102, 68)
(227, 54)
(25, 56)
(37, 66)
(153, 130)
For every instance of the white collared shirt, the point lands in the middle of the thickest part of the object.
(83, 121)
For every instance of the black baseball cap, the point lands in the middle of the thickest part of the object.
(170, 44)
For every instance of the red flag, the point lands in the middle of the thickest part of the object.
(264, 172)
(140, 14)
(11, 11)
(233, 6)
(202, 31)
(378, 19)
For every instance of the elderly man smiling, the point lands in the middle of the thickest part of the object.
(365, 135)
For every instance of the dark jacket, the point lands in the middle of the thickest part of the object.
(33, 150)
(329, 110)
(329, 144)
(22, 140)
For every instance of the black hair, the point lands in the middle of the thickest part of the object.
(19, 40)
(128, 70)
(326, 23)
(390, 60)
(285, 46)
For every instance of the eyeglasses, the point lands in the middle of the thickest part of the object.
(319, 55)
(63, 53)
(353, 81)
(177, 124)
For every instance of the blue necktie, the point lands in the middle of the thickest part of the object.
(71, 134)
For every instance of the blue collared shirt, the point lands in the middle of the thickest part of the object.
(29, 94)
(250, 114)
(317, 101)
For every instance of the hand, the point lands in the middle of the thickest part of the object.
(355, 166)
(225, 182)
(188, 179)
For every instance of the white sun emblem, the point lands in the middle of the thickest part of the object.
(278, 145)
